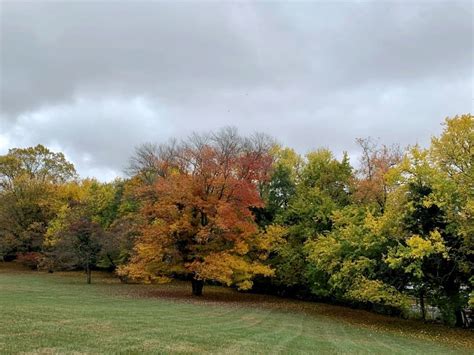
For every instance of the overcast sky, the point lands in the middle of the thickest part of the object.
(96, 78)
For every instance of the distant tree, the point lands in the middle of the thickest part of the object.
(29, 183)
(278, 193)
(371, 185)
(279, 189)
(433, 246)
(325, 173)
(453, 154)
(350, 260)
(77, 244)
(119, 241)
(35, 163)
(101, 203)
(322, 185)
(24, 215)
(151, 161)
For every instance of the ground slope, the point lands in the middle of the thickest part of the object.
(59, 313)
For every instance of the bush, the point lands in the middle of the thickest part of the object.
(30, 259)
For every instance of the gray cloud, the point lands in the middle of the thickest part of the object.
(96, 78)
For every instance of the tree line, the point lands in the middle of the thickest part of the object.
(249, 213)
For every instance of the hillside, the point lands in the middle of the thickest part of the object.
(59, 313)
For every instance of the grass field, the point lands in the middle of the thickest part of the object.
(59, 313)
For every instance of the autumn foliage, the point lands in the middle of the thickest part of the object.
(198, 213)
(393, 234)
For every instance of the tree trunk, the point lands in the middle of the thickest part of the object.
(114, 267)
(422, 305)
(197, 286)
(460, 318)
(88, 272)
(456, 304)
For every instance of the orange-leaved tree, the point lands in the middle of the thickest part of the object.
(198, 215)
(371, 185)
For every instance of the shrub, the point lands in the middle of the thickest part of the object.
(30, 259)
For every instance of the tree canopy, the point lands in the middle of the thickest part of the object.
(391, 233)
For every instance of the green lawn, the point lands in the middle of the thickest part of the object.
(59, 313)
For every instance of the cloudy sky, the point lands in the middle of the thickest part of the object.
(96, 78)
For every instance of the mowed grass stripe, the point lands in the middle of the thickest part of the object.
(58, 313)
